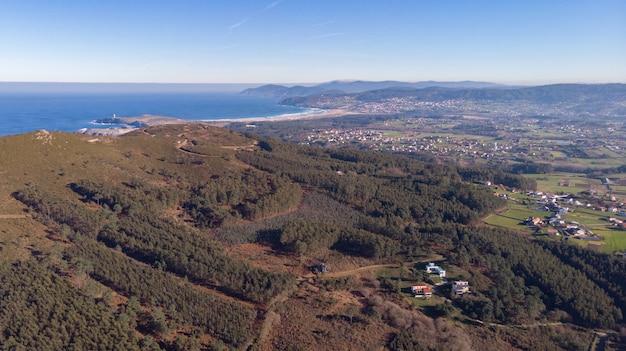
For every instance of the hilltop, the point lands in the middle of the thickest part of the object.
(188, 237)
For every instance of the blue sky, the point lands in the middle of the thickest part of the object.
(308, 41)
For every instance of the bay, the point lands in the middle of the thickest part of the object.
(26, 112)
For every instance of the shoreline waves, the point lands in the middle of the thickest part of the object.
(123, 125)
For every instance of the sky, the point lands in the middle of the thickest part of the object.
(312, 41)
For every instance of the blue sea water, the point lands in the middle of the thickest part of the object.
(26, 112)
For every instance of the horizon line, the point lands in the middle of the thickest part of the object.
(252, 84)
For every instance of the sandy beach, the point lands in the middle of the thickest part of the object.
(126, 123)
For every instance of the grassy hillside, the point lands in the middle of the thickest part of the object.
(190, 237)
(54, 160)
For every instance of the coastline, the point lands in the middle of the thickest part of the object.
(129, 124)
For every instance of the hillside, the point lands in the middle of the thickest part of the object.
(191, 237)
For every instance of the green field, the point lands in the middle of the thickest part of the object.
(599, 162)
(555, 183)
(393, 134)
(513, 218)
(587, 216)
(614, 240)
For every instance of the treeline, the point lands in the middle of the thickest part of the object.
(608, 271)
(476, 128)
(184, 253)
(305, 237)
(222, 199)
(511, 179)
(282, 199)
(41, 311)
(251, 195)
(51, 209)
(155, 241)
(314, 207)
(229, 321)
(397, 189)
(151, 239)
(136, 196)
(529, 168)
(594, 172)
(524, 280)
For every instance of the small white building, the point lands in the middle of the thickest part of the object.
(431, 268)
(460, 287)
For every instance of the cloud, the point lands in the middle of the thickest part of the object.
(267, 7)
(273, 4)
(236, 25)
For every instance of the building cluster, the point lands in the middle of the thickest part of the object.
(405, 104)
(559, 206)
(619, 223)
(459, 287)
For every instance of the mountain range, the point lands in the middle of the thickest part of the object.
(572, 100)
(357, 86)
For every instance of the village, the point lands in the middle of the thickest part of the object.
(559, 205)
(484, 140)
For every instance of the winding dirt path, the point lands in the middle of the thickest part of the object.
(272, 318)
(351, 271)
(14, 216)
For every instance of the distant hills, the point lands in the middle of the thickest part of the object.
(546, 93)
(357, 86)
(555, 100)
(310, 96)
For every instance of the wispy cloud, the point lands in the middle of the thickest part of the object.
(240, 23)
(326, 36)
(236, 25)
(331, 54)
(273, 4)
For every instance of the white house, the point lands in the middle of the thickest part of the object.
(460, 287)
(431, 268)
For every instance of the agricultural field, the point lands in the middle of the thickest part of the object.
(567, 183)
(613, 240)
(599, 163)
(514, 216)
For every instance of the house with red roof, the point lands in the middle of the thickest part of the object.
(421, 290)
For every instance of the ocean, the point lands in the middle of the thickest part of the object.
(23, 112)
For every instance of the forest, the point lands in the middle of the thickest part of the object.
(212, 250)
